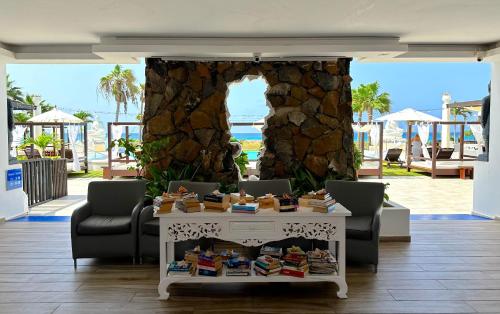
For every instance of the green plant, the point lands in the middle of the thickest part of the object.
(84, 115)
(14, 92)
(242, 159)
(386, 186)
(119, 84)
(459, 111)
(44, 105)
(304, 181)
(366, 98)
(358, 157)
(21, 117)
(158, 183)
(42, 141)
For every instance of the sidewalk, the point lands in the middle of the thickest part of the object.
(424, 195)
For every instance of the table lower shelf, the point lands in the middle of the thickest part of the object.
(252, 278)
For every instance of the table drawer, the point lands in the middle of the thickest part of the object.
(251, 226)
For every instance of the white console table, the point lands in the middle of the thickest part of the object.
(252, 230)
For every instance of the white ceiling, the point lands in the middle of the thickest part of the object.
(25, 24)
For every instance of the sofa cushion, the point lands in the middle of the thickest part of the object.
(359, 228)
(151, 227)
(96, 224)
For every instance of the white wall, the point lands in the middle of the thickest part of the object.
(487, 174)
(12, 203)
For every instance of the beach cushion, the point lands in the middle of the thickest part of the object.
(359, 228)
(97, 224)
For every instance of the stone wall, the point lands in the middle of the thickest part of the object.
(309, 124)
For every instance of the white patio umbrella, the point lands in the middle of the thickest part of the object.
(259, 125)
(408, 114)
(57, 116)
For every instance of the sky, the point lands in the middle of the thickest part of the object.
(416, 85)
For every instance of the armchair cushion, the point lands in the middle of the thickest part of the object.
(95, 225)
(151, 227)
(359, 228)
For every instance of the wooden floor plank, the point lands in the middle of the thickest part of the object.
(449, 267)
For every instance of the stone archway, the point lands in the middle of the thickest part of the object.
(309, 126)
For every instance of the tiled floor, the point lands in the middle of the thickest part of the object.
(424, 195)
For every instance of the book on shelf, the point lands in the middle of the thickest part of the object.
(249, 208)
(321, 262)
(271, 251)
(238, 266)
(180, 268)
(235, 198)
(204, 272)
(191, 256)
(287, 203)
(217, 201)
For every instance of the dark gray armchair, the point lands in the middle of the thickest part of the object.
(262, 187)
(106, 225)
(149, 227)
(364, 200)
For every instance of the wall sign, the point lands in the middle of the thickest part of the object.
(14, 179)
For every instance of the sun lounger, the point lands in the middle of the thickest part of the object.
(392, 156)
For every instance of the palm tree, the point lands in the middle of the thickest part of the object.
(119, 84)
(366, 98)
(14, 92)
(84, 115)
(142, 98)
(45, 106)
(459, 111)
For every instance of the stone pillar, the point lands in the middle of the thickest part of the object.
(13, 203)
(445, 116)
(487, 173)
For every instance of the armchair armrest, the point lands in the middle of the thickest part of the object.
(145, 215)
(135, 216)
(376, 224)
(79, 215)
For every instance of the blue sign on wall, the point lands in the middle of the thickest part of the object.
(14, 179)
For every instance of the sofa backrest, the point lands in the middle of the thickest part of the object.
(116, 197)
(200, 188)
(262, 187)
(361, 198)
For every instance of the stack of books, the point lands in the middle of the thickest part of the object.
(266, 265)
(287, 203)
(249, 208)
(272, 251)
(216, 202)
(295, 263)
(226, 255)
(163, 203)
(209, 264)
(321, 262)
(238, 266)
(267, 201)
(235, 198)
(181, 268)
(188, 203)
(322, 202)
(191, 256)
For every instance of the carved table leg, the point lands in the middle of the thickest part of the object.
(162, 289)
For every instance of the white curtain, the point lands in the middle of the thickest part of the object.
(477, 131)
(375, 134)
(423, 133)
(17, 136)
(116, 134)
(73, 131)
